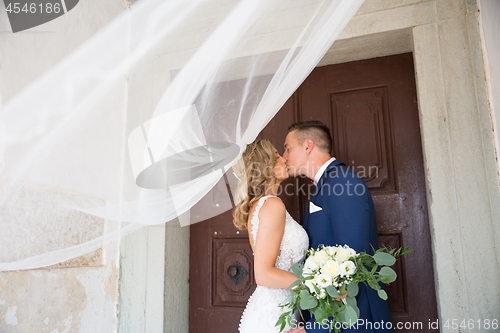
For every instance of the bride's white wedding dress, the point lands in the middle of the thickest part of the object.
(262, 310)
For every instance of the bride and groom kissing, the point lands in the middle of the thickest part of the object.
(336, 216)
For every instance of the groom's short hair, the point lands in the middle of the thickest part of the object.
(313, 130)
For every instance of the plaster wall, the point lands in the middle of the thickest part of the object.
(490, 37)
(154, 261)
(80, 295)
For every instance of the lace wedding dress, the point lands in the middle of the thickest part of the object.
(262, 310)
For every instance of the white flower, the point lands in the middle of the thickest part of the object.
(353, 253)
(321, 257)
(310, 264)
(347, 268)
(323, 280)
(331, 268)
(332, 250)
(310, 285)
(342, 254)
(322, 294)
(307, 272)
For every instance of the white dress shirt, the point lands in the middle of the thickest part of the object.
(322, 170)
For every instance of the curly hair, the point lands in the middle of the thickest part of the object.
(259, 159)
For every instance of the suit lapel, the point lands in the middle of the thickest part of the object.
(306, 219)
(325, 175)
(318, 187)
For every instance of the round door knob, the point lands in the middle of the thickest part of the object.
(232, 271)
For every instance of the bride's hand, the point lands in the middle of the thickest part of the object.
(342, 297)
(297, 330)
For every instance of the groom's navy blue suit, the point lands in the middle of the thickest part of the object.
(345, 215)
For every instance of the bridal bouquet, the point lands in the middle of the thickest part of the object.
(329, 273)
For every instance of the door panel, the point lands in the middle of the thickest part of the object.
(371, 108)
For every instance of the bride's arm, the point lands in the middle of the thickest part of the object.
(269, 234)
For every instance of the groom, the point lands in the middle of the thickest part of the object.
(340, 212)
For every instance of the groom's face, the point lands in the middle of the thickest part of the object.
(295, 156)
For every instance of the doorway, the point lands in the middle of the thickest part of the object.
(371, 108)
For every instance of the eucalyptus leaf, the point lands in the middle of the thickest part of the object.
(295, 283)
(304, 303)
(308, 303)
(304, 293)
(297, 270)
(319, 314)
(351, 301)
(342, 290)
(385, 259)
(350, 315)
(313, 302)
(374, 285)
(352, 289)
(332, 291)
(342, 315)
(356, 309)
(387, 275)
(382, 294)
(316, 289)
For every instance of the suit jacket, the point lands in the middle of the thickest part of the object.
(347, 216)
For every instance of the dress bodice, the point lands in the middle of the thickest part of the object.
(263, 310)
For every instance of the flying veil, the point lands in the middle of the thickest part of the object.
(89, 159)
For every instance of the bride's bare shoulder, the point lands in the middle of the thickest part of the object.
(273, 207)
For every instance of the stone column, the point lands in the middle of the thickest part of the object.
(460, 167)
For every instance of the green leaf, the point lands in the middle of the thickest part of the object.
(297, 270)
(308, 303)
(382, 294)
(374, 285)
(319, 314)
(351, 301)
(304, 294)
(304, 303)
(356, 309)
(350, 315)
(316, 289)
(332, 291)
(352, 289)
(342, 290)
(387, 275)
(295, 283)
(385, 259)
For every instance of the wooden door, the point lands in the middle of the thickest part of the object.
(371, 108)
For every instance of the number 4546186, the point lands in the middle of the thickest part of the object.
(472, 324)
(33, 8)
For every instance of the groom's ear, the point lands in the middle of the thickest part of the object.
(309, 146)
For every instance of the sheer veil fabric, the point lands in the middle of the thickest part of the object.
(103, 171)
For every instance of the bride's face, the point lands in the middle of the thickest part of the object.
(280, 169)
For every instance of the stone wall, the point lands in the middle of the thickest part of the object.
(80, 295)
(490, 27)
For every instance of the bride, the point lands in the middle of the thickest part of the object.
(277, 240)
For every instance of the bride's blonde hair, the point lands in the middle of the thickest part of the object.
(259, 159)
